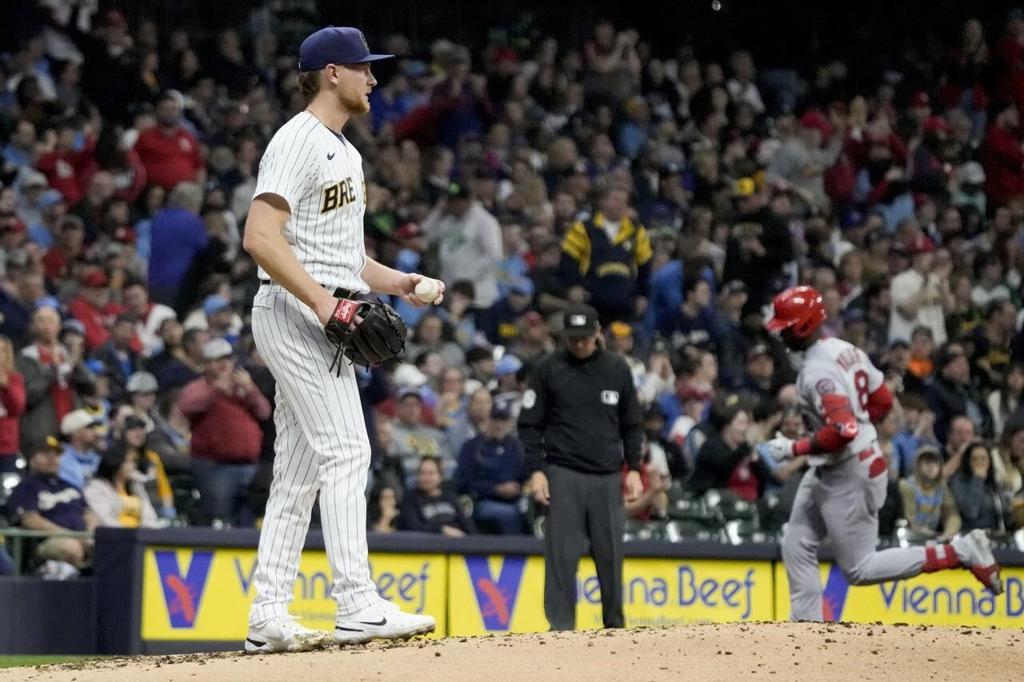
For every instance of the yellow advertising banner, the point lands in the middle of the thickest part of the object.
(942, 598)
(506, 593)
(205, 594)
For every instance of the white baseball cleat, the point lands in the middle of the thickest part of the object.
(382, 621)
(283, 634)
(975, 552)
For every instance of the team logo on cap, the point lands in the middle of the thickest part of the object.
(577, 320)
(363, 39)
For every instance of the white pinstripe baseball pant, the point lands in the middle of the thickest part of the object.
(321, 445)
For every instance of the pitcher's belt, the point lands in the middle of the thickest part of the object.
(338, 291)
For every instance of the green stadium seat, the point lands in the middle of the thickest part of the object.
(741, 531)
(692, 510)
(679, 531)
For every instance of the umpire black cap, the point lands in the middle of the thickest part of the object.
(579, 320)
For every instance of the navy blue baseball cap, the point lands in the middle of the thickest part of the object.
(335, 45)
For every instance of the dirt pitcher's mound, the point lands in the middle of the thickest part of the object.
(770, 651)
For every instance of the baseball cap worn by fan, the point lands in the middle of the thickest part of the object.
(142, 382)
(521, 285)
(409, 231)
(580, 320)
(76, 420)
(33, 179)
(743, 188)
(928, 452)
(408, 375)
(457, 190)
(734, 286)
(508, 364)
(501, 410)
(48, 302)
(215, 349)
(72, 326)
(95, 366)
(620, 329)
(756, 351)
(95, 279)
(409, 391)
(919, 244)
(50, 198)
(214, 303)
(971, 173)
(133, 423)
(48, 443)
(947, 354)
(336, 45)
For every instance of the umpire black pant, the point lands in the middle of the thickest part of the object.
(582, 506)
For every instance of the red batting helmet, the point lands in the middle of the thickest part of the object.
(798, 309)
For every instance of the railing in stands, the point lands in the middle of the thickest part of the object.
(19, 536)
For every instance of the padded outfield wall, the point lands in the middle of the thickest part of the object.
(186, 590)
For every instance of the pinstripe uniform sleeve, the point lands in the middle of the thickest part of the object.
(286, 168)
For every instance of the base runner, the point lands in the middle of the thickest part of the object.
(842, 395)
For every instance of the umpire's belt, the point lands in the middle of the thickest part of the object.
(338, 291)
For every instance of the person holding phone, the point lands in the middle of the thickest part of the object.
(224, 407)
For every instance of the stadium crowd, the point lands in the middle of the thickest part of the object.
(674, 193)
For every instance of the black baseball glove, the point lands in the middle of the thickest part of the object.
(379, 337)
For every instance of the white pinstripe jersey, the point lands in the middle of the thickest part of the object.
(320, 175)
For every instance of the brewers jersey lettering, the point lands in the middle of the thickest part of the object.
(320, 175)
(321, 445)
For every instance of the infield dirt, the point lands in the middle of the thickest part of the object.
(771, 651)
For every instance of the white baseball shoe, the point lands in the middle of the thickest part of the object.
(283, 634)
(381, 621)
(975, 553)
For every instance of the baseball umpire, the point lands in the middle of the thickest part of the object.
(580, 421)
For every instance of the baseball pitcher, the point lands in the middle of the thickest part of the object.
(305, 230)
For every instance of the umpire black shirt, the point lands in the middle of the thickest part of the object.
(582, 414)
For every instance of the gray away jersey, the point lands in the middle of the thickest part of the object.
(835, 366)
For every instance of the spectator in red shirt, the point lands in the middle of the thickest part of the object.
(12, 406)
(50, 374)
(70, 245)
(225, 408)
(1003, 158)
(150, 315)
(92, 307)
(62, 164)
(168, 151)
(1009, 61)
(124, 165)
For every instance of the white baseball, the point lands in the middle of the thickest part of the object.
(427, 290)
